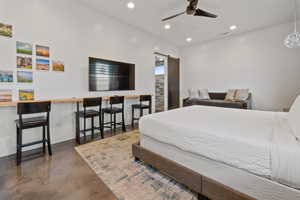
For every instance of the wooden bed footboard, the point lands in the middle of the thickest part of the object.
(205, 188)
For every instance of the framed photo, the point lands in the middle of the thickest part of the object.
(24, 77)
(24, 48)
(26, 95)
(43, 51)
(58, 66)
(5, 30)
(42, 64)
(24, 62)
(5, 95)
(6, 77)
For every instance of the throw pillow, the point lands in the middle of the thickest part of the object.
(230, 96)
(203, 94)
(242, 94)
(193, 94)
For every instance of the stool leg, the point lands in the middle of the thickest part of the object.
(132, 116)
(150, 110)
(84, 129)
(141, 112)
(49, 140)
(102, 125)
(123, 122)
(44, 139)
(111, 122)
(77, 128)
(92, 125)
(115, 122)
(18, 146)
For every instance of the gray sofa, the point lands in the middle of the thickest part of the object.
(218, 100)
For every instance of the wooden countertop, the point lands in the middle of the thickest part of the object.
(66, 100)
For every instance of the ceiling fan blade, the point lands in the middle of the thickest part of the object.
(203, 13)
(173, 16)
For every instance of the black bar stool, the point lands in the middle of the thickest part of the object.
(113, 111)
(141, 107)
(85, 114)
(34, 122)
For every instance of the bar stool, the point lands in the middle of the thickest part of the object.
(113, 111)
(141, 107)
(90, 114)
(34, 122)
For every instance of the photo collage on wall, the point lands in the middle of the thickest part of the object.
(24, 69)
(24, 65)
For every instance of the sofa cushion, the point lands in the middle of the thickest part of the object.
(241, 95)
(237, 95)
(230, 96)
(218, 103)
(203, 94)
(193, 94)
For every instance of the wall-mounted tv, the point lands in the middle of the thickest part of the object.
(107, 75)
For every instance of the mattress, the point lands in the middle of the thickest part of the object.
(247, 183)
(258, 142)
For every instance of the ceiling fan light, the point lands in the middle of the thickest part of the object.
(292, 40)
(189, 39)
(233, 27)
(130, 5)
(167, 26)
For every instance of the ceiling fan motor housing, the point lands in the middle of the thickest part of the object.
(190, 10)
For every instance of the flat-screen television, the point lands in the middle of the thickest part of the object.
(107, 75)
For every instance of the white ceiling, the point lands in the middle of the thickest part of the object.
(246, 14)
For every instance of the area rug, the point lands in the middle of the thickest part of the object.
(112, 161)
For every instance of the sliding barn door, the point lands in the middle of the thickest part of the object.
(173, 83)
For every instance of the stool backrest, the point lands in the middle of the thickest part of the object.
(33, 108)
(116, 100)
(92, 102)
(144, 98)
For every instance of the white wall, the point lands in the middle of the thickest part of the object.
(74, 32)
(256, 60)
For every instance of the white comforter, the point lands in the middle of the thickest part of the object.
(257, 141)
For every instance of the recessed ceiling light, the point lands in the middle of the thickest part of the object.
(167, 26)
(130, 5)
(233, 27)
(189, 39)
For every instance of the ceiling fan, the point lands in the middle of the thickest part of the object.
(193, 10)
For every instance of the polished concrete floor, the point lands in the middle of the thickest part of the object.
(63, 176)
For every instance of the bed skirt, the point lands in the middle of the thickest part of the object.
(203, 186)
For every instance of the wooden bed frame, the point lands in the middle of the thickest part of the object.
(206, 188)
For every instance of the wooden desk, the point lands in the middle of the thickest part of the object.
(66, 100)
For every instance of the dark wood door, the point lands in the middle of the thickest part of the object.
(173, 83)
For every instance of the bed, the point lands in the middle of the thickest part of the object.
(244, 154)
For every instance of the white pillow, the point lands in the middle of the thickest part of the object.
(294, 118)
(203, 94)
(242, 94)
(193, 94)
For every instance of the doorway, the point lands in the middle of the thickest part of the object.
(167, 82)
(161, 86)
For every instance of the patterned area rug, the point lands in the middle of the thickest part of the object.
(113, 162)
